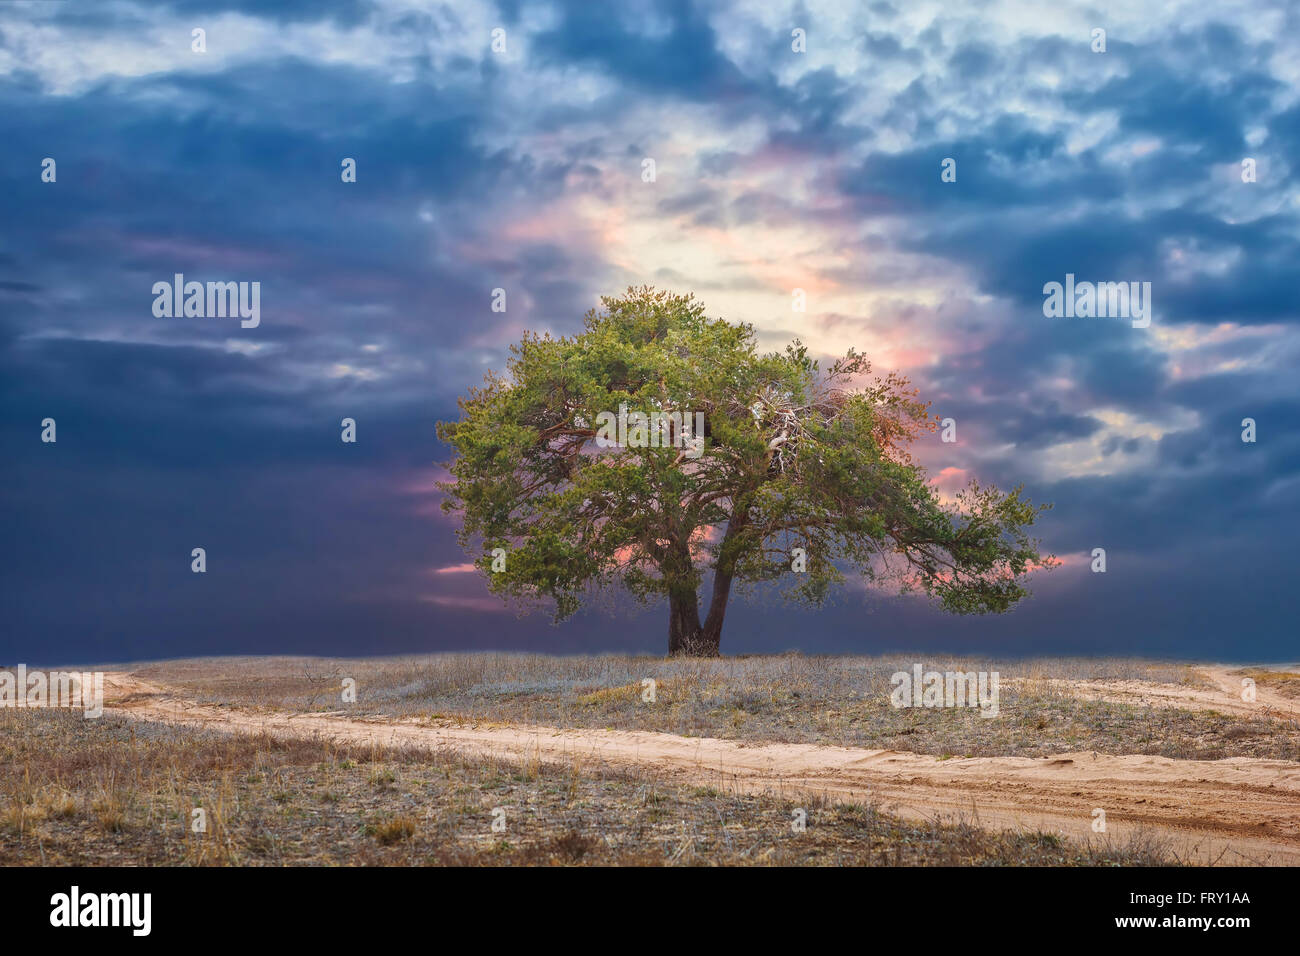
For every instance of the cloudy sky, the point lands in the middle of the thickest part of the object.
(522, 169)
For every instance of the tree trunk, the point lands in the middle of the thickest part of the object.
(712, 630)
(685, 636)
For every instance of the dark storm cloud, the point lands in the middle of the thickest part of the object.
(1159, 97)
(684, 60)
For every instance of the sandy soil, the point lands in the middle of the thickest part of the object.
(1235, 811)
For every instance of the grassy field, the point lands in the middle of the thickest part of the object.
(119, 792)
(841, 701)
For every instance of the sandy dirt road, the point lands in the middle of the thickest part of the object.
(1234, 811)
(1226, 699)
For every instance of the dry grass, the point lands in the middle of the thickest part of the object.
(117, 792)
(842, 701)
(394, 830)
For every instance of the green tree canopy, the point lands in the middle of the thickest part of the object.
(791, 457)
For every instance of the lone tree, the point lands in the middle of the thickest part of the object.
(799, 475)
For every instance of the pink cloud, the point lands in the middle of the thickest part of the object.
(424, 486)
(949, 476)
